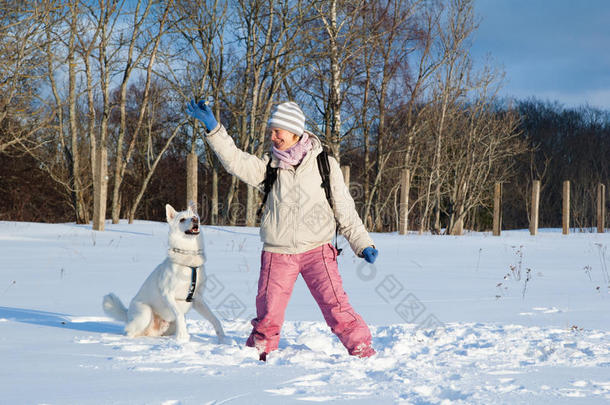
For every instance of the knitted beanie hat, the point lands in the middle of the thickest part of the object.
(288, 116)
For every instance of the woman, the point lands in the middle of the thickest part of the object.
(297, 227)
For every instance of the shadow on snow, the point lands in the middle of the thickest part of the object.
(58, 320)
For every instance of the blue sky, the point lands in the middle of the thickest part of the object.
(556, 50)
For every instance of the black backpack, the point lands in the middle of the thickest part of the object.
(323, 167)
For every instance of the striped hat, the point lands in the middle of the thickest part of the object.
(288, 116)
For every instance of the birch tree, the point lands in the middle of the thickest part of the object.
(337, 42)
(272, 54)
(448, 93)
(74, 159)
(482, 153)
(106, 16)
(391, 40)
(22, 67)
(63, 160)
(146, 37)
(199, 32)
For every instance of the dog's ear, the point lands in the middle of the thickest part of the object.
(170, 212)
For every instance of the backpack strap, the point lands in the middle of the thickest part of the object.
(270, 177)
(324, 168)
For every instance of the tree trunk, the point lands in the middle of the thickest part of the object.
(101, 191)
(191, 179)
(81, 216)
(601, 208)
(101, 177)
(231, 195)
(403, 211)
(214, 208)
(335, 85)
(566, 208)
(91, 120)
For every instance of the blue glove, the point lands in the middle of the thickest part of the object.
(370, 254)
(203, 113)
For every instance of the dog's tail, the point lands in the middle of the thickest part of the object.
(114, 308)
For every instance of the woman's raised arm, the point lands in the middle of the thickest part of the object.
(247, 167)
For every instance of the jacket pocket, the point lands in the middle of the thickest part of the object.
(277, 228)
(316, 224)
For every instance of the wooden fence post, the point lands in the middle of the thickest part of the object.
(191, 178)
(535, 205)
(497, 209)
(345, 171)
(566, 207)
(403, 208)
(601, 208)
(100, 178)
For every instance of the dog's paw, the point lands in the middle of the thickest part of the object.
(130, 331)
(182, 337)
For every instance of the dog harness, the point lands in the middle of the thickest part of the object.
(191, 291)
(189, 297)
(198, 252)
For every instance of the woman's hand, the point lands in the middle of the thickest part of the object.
(203, 113)
(370, 254)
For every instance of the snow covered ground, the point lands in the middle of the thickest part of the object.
(473, 319)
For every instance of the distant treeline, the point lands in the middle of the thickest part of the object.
(564, 144)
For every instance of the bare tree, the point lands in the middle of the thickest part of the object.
(147, 40)
(22, 65)
(88, 42)
(272, 55)
(388, 84)
(74, 160)
(450, 91)
(336, 42)
(267, 32)
(199, 45)
(62, 160)
(106, 16)
(160, 126)
(482, 153)
(390, 40)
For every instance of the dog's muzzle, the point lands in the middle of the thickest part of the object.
(194, 227)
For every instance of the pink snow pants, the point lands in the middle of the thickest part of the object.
(319, 269)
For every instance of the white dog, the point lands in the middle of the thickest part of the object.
(176, 284)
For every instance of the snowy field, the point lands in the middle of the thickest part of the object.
(455, 320)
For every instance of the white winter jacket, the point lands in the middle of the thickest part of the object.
(297, 216)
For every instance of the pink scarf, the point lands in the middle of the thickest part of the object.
(292, 156)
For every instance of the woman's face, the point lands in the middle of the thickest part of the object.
(283, 139)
